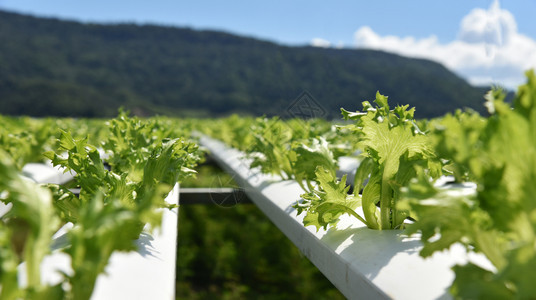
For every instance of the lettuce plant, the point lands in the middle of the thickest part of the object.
(499, 219)
(392, 146)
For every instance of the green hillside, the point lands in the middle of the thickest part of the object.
(64, 68)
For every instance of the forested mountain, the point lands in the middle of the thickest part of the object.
(65, 68)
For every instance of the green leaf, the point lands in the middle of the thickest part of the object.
(473, 282)
(499, 220)
(327, 204)
(370, 198)
(362, 174)
(66, 203)
(389, 144)
(270, 147)
(31, 219)
(308, 158)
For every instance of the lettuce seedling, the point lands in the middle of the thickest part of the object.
(392, 145)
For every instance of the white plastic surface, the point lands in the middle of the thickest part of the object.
(148, 273)
(348, 167)
(46, 173)
(362, 263)
(4, 208)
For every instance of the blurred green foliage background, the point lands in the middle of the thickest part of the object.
(237, 253)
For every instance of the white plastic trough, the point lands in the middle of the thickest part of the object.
(148, 273)
(362, 263)
(46, 173)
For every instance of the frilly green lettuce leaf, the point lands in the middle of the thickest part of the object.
(329, 202)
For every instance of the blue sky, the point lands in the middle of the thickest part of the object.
(476, 39)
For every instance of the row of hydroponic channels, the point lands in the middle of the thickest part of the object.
(395, 186)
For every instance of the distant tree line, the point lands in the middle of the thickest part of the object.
(64, 68)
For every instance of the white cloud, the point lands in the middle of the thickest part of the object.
(493, 26)
(489, 49)
(318, 42)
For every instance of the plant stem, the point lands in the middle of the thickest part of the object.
(385, 204)
(32, 263)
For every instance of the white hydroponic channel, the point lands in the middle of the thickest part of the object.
(362, 263)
